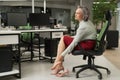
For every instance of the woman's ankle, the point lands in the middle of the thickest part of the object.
(55, 64)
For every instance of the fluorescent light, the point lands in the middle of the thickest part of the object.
(101, 2)
(12, 0)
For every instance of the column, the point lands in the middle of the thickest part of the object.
(88, 3)
(118, 17)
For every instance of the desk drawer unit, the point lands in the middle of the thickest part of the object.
(8, 39)
(57, 34)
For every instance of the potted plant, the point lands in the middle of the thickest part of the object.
(100, 8)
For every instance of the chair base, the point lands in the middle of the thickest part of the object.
(92, 67)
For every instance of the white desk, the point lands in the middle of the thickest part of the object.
(54, 33)
(11, 37)
(43, 30)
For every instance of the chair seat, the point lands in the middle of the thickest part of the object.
(87, 53)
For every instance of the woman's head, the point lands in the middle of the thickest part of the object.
(82, 13)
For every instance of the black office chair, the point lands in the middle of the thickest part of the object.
(25, 41)
(90, 54)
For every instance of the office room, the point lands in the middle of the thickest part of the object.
(39, 40)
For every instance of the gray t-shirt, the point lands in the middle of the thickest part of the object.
(86, 30)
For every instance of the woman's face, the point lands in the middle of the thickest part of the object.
(78, 14)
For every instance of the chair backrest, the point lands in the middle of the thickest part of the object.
(103, 31)
(27, 35)
(101, 43)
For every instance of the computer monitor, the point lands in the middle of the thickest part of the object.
(16, 19)
(39, 19)
(3, 19)
(53, 21)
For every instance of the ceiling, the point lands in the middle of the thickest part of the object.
(39, 2)
(51, 1)
(28, 2)
(48, 1)
(71, 1)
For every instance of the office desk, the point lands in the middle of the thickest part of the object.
(9, 38)
(54, 33)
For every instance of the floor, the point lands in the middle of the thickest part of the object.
(113, 55)
(40, 70)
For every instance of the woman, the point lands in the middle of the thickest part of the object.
(67, 44)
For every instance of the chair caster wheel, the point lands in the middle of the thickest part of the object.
(100, 77)
(108, 72)
(77, 76)
(73, 70)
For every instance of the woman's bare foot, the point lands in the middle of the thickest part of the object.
(57, 69)
(55, 64)
(58, 61)
(62, 74)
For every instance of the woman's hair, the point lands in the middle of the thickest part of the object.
(86, 13)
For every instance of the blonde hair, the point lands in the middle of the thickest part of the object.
(86, 12)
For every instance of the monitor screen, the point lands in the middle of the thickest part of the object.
(16, 19)
(53, 21)
(3, 17)
(39, 19)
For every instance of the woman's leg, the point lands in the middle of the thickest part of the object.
(61, 48)
(58, 64)
(59, 58)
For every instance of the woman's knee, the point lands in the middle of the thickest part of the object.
(64, 36)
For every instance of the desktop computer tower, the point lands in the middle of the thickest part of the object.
(6, 59)
(51, 47)
(112, 38)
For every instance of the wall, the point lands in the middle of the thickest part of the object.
(63, 11)
(59, 14)
(62, 15)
